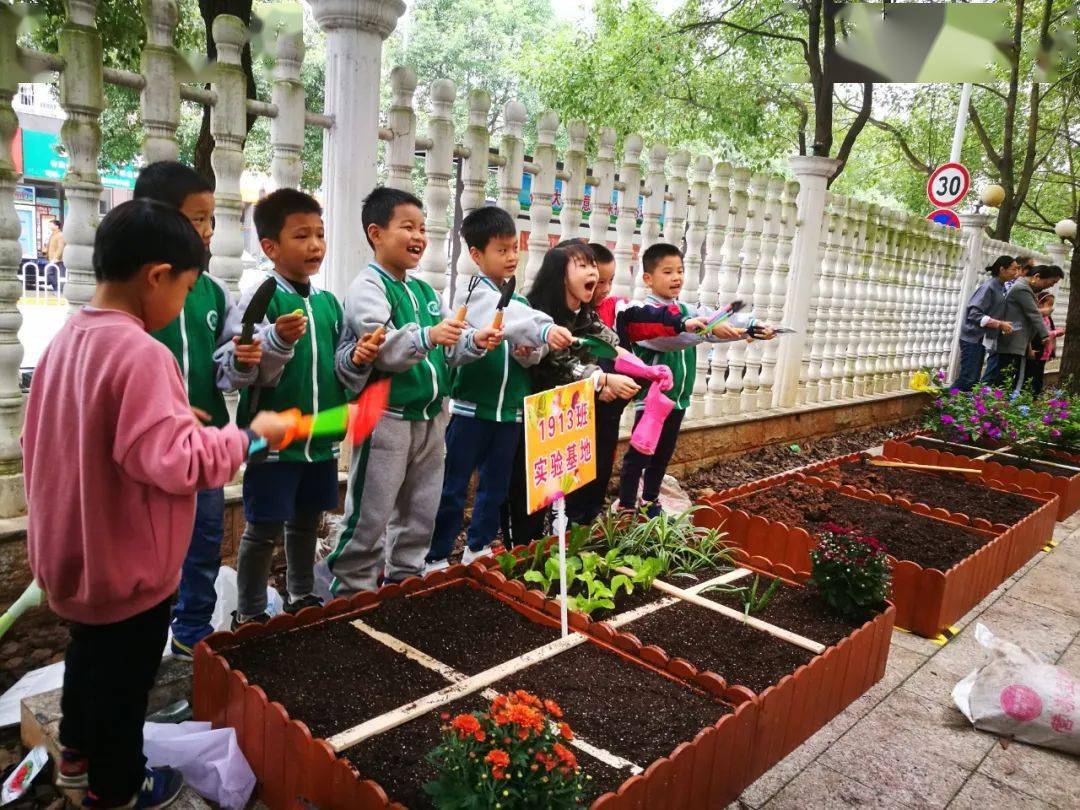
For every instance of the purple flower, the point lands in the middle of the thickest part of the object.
(998, 394)
(954, 391)
(946, 419)
(1055, 433)
(1046, 420)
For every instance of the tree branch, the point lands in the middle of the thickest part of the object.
(856, 127)
(984, 139)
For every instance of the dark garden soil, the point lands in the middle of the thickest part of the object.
(777, 458)
(737, 653)
(463, 627)
(397, 759)
(906, 535)
(617, 705)
(1009, 461)
(952, 491)
(331, 676)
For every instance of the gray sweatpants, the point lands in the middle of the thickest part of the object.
(256, 555)
(395, 482)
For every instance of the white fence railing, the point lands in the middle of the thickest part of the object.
(872, 293)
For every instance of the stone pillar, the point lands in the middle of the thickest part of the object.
(574, 188)
(12, 500)
(653, 209)
(695, 238)
(287, 130)
(401, 154)
(82, 97)
(512, 151)
(543, 195)
(228, 125)
(626, 221)
(161, 96)
(763, 355)
(439, 166)
(474, 171)
(812, 174)
(973, 230)
(603, 182)
(355, 30)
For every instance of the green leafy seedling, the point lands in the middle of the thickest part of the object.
(507, 563)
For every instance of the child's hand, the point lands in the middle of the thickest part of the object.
(248, 354)
(488, 338)
(607, 395)
(694, 324)
(624, 387)
(291, 327)
(366, 349)
(559, 337)
(523, 351)
(271, 426)
(726, 332)
(446, 333)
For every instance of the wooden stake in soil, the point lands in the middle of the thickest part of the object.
(724, 610)
(904, 465)
(448, 694)
(559, 524)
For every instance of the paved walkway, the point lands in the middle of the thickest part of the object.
(905, 744)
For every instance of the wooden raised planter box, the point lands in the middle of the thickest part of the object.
(709, 770)
(927, 600)
(1067, 488)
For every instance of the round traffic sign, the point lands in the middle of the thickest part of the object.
(948, 184)
(943, 216)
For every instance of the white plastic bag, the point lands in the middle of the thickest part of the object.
(210, 760)
(225, 589)
(673, 498)
(1018, 694)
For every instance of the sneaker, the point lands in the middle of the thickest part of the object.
(433, 566)
(311, 600)
(237, 622)
(160, 788)
(469, 556)
(653, 510)
(71, 770)
(180, 650)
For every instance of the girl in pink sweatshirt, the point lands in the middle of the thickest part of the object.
(113, 456)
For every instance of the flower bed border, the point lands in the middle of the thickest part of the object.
(927, 600)
(1067, 488)
(712, 769)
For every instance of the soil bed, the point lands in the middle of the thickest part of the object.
(799, 610)
(945, 490)
(906, 535)
(330, 675)
(777, 458)
(463, 627)
(397, 759)
(1008, 461)
(619, 706)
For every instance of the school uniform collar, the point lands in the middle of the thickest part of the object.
(374, 265)
(287, 285)
(654, 298)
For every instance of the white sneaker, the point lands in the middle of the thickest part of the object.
(435, 565)
(469, 556)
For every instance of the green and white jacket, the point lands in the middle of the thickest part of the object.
(495, 386)
(679, 352)
(196, 339)
(296, 375)
(408, 309)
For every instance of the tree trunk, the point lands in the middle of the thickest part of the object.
(1070, 356)
(209, 9)
(823, 88)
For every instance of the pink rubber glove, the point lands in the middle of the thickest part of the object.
(647, 433)
(633, 366)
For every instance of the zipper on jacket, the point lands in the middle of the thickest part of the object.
(314, 371)
(185, 361)
(430, 365)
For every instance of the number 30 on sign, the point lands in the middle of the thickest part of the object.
(560, 442)
(948, 185)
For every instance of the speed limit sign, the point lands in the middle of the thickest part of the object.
(948, 185)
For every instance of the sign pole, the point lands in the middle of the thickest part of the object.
(961, 123)
(560, 530)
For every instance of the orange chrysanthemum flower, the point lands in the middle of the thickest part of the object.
(498, 758)
(553, 708)
(565, 732)
(465, 725)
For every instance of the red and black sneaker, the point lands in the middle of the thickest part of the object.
(71, 770)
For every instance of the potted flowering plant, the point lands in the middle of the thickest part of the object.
(850, 571)
(515, 755)
(971, 416)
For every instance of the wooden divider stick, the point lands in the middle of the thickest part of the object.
(904, 465)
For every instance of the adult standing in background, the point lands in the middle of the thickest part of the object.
(1026, 266)
(54, 253)
(1022, 309)
(983, 321)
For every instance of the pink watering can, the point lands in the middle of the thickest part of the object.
(646, 434)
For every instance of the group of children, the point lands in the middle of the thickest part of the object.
(1009, 322)
(124, 387)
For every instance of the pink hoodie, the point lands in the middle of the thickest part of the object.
(113, 457)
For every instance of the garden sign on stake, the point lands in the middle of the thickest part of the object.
(560, 456)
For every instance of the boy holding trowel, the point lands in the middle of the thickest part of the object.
(488, 395)
(197, 339)
(300, 327)
(396, 478)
